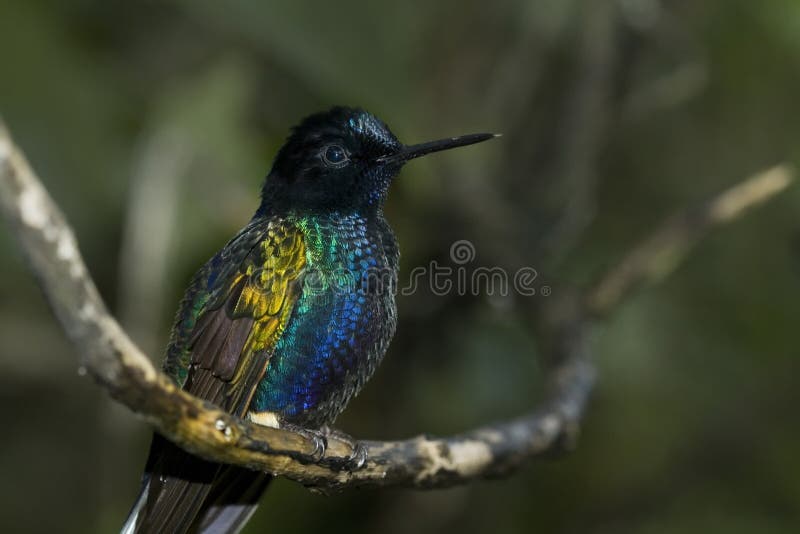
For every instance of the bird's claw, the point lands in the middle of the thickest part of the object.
(358, 457)
(320, 439)
(317, 437)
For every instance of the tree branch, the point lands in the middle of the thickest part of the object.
(662, 251)
(127, 374)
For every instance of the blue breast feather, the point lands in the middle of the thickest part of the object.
(339, 328)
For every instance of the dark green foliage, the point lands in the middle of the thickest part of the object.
(612, 116)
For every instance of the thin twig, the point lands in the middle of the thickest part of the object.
(582, 131)
(150, 228)
(663, 250)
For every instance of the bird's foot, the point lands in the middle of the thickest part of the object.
(317, 437)
(358, 457)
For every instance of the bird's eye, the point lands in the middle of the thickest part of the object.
(334, 156)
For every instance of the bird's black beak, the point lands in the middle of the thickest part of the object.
(414, 151)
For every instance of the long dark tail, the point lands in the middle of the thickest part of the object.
(182, 493)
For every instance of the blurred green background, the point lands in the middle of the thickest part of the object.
(153, 123)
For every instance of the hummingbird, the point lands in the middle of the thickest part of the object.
(286, 323)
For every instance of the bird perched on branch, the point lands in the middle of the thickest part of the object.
(288, 321)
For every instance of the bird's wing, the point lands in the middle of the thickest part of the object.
(250, 292)
(229, 322)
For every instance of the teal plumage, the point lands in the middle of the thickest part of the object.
(340, 327)
(289, 320)
(342, 321)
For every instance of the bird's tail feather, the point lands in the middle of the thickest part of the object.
(130, 523)
(182, 493)
(234, 500)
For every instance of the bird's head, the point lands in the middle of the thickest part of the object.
(343, 159)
